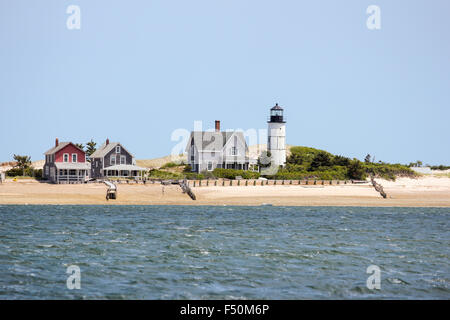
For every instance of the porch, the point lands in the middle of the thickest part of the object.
(124, 171)
(72, 172)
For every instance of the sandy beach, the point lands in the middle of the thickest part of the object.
(405, 192)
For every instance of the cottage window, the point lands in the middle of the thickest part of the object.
(210, 166)
(74, 157)
(118, 149)
(113, 160)
(66, 157)
(123, 160)
(233, 151)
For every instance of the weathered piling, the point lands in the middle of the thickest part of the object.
(378, 187)
(186, 189)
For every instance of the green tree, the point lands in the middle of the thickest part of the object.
(367, 159)
(295, 158)
(341, 161)
(91, 146)
(356, 170)
(80, 145)
(321, 159)
(23, 162)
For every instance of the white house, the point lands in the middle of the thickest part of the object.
(207, 150)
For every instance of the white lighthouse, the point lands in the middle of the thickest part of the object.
(276, 142)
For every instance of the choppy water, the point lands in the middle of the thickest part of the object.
(177, 252)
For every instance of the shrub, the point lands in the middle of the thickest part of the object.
(232, 173)
(29, 172)
(356, 170)
(171, 165)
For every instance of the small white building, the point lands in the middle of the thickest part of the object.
(276, 142)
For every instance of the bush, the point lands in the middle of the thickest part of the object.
(158, 174)
(356, 170)
(232, 173)
(170, 165)
(28, 172)
(388, 171)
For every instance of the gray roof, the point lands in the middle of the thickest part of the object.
(73, 165)
(213, 140)
(105, 148)
(59, 147)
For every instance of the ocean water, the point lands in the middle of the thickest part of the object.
(223, 252)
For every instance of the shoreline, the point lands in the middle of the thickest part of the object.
(405, 192)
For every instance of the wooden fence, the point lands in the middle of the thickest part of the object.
(240, 183)
(252, 182)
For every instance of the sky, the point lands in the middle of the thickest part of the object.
(136, 71)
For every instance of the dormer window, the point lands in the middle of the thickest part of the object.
(118, 149)
(74, 157)
(66, 157)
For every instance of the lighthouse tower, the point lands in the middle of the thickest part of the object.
(276, 142)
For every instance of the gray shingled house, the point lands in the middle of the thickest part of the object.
(113, 160)
(207, 150)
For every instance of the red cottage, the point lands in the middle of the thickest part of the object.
(66, 163)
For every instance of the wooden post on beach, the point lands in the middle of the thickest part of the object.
(246, 182)
(239, 182)
(254, 182)
(215, 183)
(194, 183)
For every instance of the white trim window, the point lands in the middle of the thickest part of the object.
(113, 160)
(65, 157)
(210, 166)
(123, 159)
(233, 151)
(117, 149)
(74, 157)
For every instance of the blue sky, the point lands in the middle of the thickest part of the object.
(138, 70)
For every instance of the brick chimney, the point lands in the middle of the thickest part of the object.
(217, 125)
(56, 142)
(107, 141)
